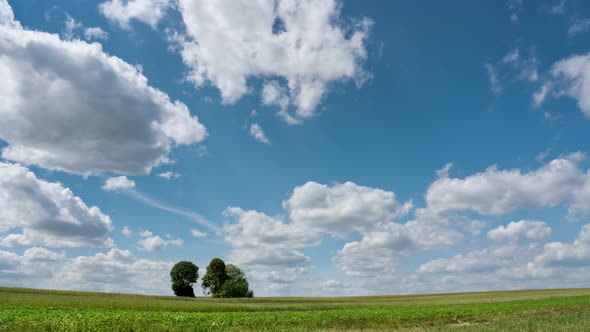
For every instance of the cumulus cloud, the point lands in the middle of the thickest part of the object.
(258, 134)
(342, 208)
(474, 262)
(509, 265)
(306, 44)
(521, 230)
(7, 16)
(576, 254)
(151, 242)
(376, 252)
(499, 192)
(118, 183)
(102, 113)
(34, 268)
(147, 11)
(47, 213)
(259, 239)
(338, 210)
(116, 271)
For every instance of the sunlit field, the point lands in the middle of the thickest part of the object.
(534, 310)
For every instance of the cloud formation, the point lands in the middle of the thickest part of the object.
(118, 183)
(47, 213)
(520, 230)
(305, 44)
(124, 11)
(258, 134)
(498, 192)
(568, 77)
(101, 113)
(151, 242)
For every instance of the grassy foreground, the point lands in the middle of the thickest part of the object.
(535, 310)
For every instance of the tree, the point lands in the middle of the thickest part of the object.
(235, 288)
(183, 275)
(236, 285)
(214, 278)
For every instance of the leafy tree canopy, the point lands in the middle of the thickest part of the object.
(225, 280)
(215, 277)
(183, 275)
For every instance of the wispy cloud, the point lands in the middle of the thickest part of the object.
(194, 216)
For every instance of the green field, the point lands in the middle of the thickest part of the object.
(533, 310)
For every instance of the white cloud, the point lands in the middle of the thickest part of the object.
(7, 16)
(71, 25)
(258, 239)
(151, 242)
(126, 231)
(273, 94)
(194, 216)
(570, 77)
(116, 271)
(34, 268)
(258, 134)
(314, 48)
(556, 254)
(102, 113)
(197, 234)
(118, 183)
(376, 252)
(331, 283)
(169, 175)
(342, 208)
(474, 262)
(95, 33)
(147, 11)
(339, 210)
(146, 233)
(581, 196)
(512, 67)
(499, 192)
(540, 95)
(47, 213)
(521, 230)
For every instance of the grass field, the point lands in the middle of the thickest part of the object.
(534, 310)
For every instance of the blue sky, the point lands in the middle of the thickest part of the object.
(364, 148)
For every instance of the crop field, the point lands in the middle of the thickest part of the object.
(534, 310)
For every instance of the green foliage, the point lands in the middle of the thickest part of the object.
(215, 277)
(183, 275)
(236, 285)
(235, 288)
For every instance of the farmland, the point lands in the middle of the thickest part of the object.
(554, 310)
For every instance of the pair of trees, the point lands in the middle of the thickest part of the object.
(220, 280)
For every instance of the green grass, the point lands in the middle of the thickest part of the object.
(536, 310)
